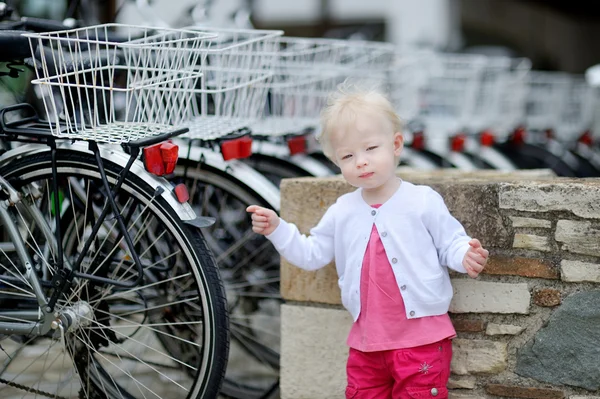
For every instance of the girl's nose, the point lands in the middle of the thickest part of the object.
(361, 161)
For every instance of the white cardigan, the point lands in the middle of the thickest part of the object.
(420, 236)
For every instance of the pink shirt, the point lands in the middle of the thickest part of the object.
(382, 323)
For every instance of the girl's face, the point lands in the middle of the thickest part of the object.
(367, 152)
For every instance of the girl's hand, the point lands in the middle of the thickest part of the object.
(475, 258)
(264, 220)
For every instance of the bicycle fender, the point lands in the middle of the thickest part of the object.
(496, 158)
(415, 159)
(304, 162)
(115, 155)
(238, 170)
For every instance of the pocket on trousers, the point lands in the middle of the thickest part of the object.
(351, 392)
(422, 366)
(422, 393)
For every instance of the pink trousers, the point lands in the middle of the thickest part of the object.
(412, 373)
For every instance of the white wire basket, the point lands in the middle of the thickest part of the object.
(116, 83)
(545, 94)
(577, 109)
(231, 93)
(499, 103)
(448, 97)
(306, 70)
(407, 79)
(452, 92)
(512, 96)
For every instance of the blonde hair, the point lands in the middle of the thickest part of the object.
(349, 101)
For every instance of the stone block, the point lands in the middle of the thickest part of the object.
(462, 382)
(513, 391)
(503, 329)
(313, 352)
(468, 325)
(576, 271)
(472, 296)
(579, 237)
(531, 241)
(519, 266)
(547, 297)
(457, 395)
(578, 197)
(530, 222)
(472, 356)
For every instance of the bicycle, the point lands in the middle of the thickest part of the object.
(110, 282)
(223, 189)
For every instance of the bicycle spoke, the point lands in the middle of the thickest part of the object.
(145, 326)
(164, 354)
(138, 288)
(14, 267)
(242, 338)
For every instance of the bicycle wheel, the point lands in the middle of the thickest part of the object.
(274, 168)
(164, 338)
(249, 266)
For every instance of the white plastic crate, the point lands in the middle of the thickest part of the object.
(99, 88)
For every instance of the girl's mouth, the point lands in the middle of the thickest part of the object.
(366, 175)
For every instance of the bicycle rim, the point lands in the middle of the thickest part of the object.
(165, 338)
(249, 266)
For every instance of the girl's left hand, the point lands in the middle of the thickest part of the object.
(475, 258)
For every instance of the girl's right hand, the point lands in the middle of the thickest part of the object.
(264, 220)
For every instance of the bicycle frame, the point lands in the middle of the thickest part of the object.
(34, 326)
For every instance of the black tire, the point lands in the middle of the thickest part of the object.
(274, 168)
(168, 336)
(249, 267)
(529, 156)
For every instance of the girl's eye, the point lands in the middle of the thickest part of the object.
(346, 156)
(371, 148)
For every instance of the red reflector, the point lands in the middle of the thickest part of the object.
(586, 138)
(457, 143)
(153, 160)
(518, 136)
(236, 148)
(487, 138)
(297, 145)
(181, 192)
(549, 133)
(245, 147)
(169, 153)
(418, 142)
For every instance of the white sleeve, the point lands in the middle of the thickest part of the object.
(449, 236)
(307, 252)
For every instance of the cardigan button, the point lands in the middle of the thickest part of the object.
(412, 312)
(394, 260)
(373, 213)
(434, 392)
(384, 234)
(403, 288)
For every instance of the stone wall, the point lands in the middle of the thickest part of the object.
(528, 327)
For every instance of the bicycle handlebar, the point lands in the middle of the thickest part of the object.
(13, 46)
(44, 25)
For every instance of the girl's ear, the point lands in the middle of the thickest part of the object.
(398, 143)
